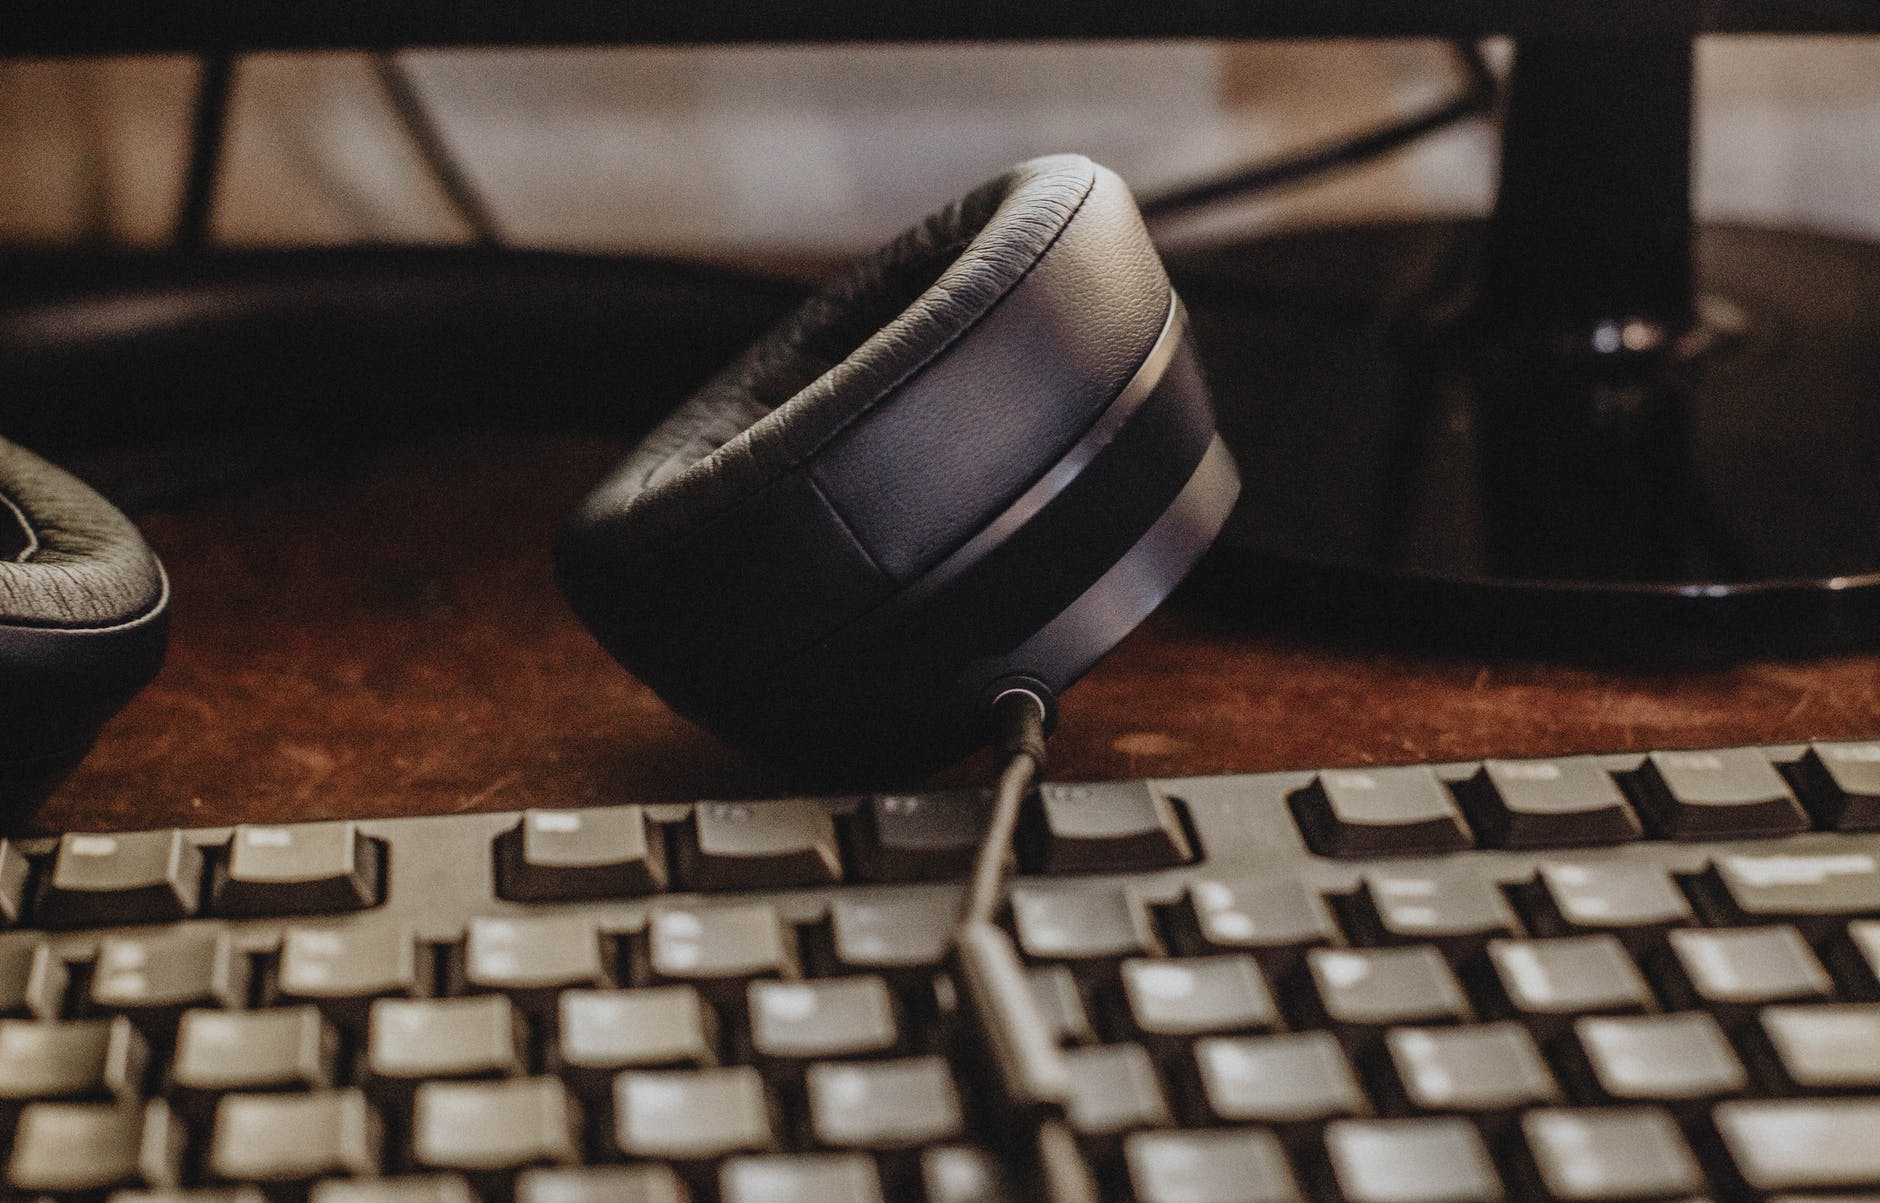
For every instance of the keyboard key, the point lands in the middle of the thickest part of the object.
(1548, 804)
(800, 1178)
(1660, 1058)
(1061, 1005)
(904, 935)
(1730, 970)
(204, 1194)
(1636, 902)
(342, 970)
(135, 877)
(489, 1129)
(1197, 996)
(1106, 827)
(1288, 1080)
(1840, 783)
(155, 978)
(599, 852)
(223, 1052)
(1246, 1166)
(719, 948)
(412, 1188)
(80, 1150)
(1458, 912)
(14, 872)
(1546, 982)
(600, 1184)
(1601, 1154)
(605, 1031)
(297, 868)
(1275, 920)
(1814, 891)
(1362, 991)
(821, 1020)
(1715, 795)
(964, 1175)
(1380, 812)
(1826, 1047)
(32, 978)
(884, 1105)
(1480, 1068)
(1091, 929)
(77, 1059)
(286, 1141)
(1816, 1144)
(1114, 1089)
(533, 960)
(760, 845)
(691, 1115)
(1410, 1161)
(414, 1039)
(921, 837)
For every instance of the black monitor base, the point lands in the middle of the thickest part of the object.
(1418, 473)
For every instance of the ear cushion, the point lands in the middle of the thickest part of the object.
(82, 608)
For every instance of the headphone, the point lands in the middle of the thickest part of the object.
(970, 464)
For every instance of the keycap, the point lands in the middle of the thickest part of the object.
(1546, 982)
(1275, 920)
(299, 868)
(600, 1184)
(222, 1052)
(413, 1039)
(533, 960)
(1105, 827)
(956, 1174)
(1594, 1155)
(1814, 1144)
(800, 1178)
(1286, 1080)
(32, 977)
(1730, 970)
(692, 1115)
(74, 1059)
(821, 1020)
(1715, 795)
(1834, 1046)
(1245, 1166)
(201, 1194)
(285, 1141)
(1173, 1000)
(884, 1105)
(1840, 784)
(904, 935)
(1360, 991)
(1090, 929)
(1458, 912)
(719, 948)
(154, 978)
(15, 870)
(1634, 901)
(1479, 1068)
(408, 1188)
(600, 852)
(1814, 891)
(1660, 1058)
(80, 1150)
(921, 837)
(760, 845)
(133, 877)
(1548, 804)
(1061, 1005)
(1114, 1089)
(1380, 812)
(1410, 1161)
(481, 1128)
(342, 970)
(602, 1032)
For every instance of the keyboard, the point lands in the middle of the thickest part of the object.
(1579, 979)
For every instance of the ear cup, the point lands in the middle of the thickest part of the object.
(83, 608)
(834, 545)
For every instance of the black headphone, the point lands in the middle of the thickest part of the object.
(972, 463)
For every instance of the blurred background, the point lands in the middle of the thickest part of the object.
(774, 151)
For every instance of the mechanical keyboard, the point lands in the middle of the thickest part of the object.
(1581, 979)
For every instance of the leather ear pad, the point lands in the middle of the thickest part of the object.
(83, 604)
(875, 432)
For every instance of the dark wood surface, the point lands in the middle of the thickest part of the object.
(384, 637)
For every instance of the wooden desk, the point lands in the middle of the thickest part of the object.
(385, 638)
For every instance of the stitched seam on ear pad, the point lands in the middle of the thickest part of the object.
(32, 535)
